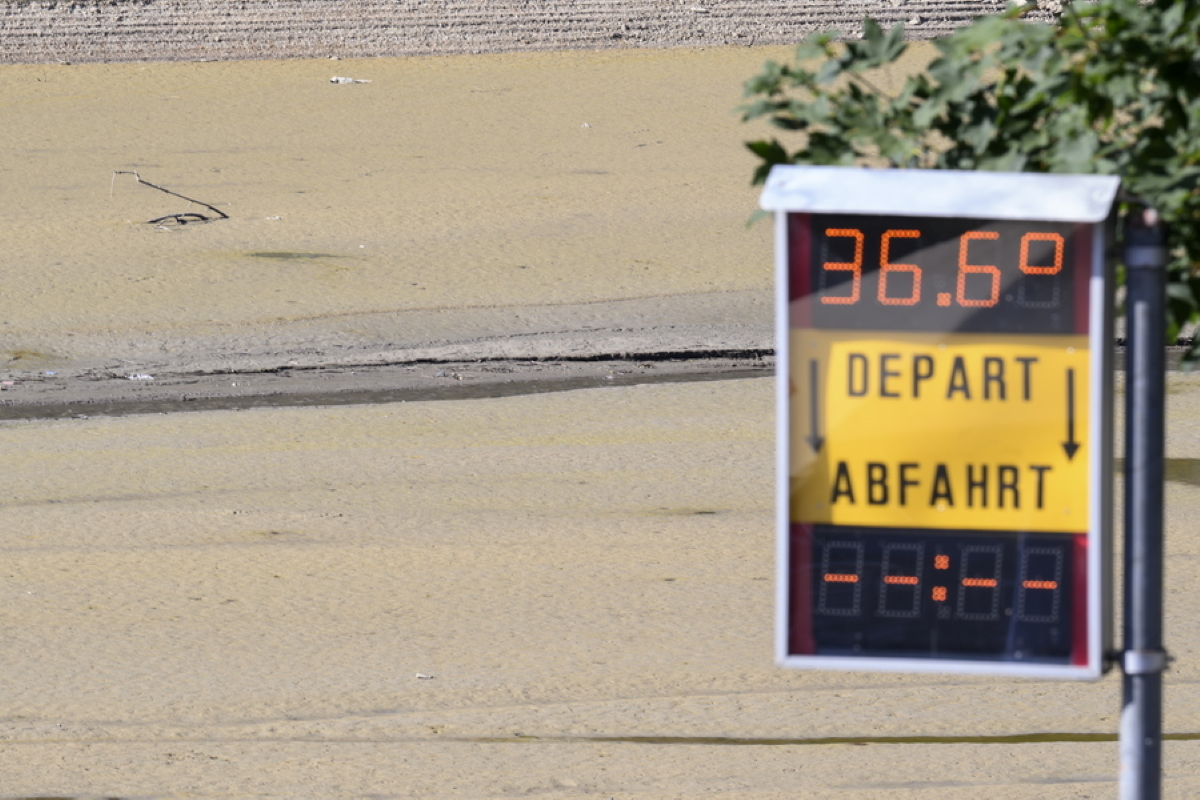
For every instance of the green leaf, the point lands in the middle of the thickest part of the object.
(1172, 18)
(872, 33)
(758, 216)
(772, 152)
(815, 47)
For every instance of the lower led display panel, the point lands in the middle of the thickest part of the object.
(919, 594)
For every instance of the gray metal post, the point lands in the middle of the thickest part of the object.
(1145, 366)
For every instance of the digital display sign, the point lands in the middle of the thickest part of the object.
(945, 422)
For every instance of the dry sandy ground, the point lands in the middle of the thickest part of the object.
(563, 595)
(540, 205)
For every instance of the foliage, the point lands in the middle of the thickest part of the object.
(1111, 87)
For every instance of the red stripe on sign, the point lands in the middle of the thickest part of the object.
(799, 235)
(1079, 597)
(799, 621)
(1082, 238)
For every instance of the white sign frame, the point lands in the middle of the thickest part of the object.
(949, 193)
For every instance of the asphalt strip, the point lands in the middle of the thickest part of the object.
(52, 396)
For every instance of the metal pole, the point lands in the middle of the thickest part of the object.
(1144, 657)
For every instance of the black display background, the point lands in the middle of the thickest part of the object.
(1028, 304)
(937, 630)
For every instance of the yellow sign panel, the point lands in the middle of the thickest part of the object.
(927, 430)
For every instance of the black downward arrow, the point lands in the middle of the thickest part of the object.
(1070, 445)
(815, 439)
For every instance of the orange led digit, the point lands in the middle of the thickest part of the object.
(854, 266)
(964, 269)
(903, 580)
(1040, 584)
(886, 268)
(1059, 246)
(834, 577)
